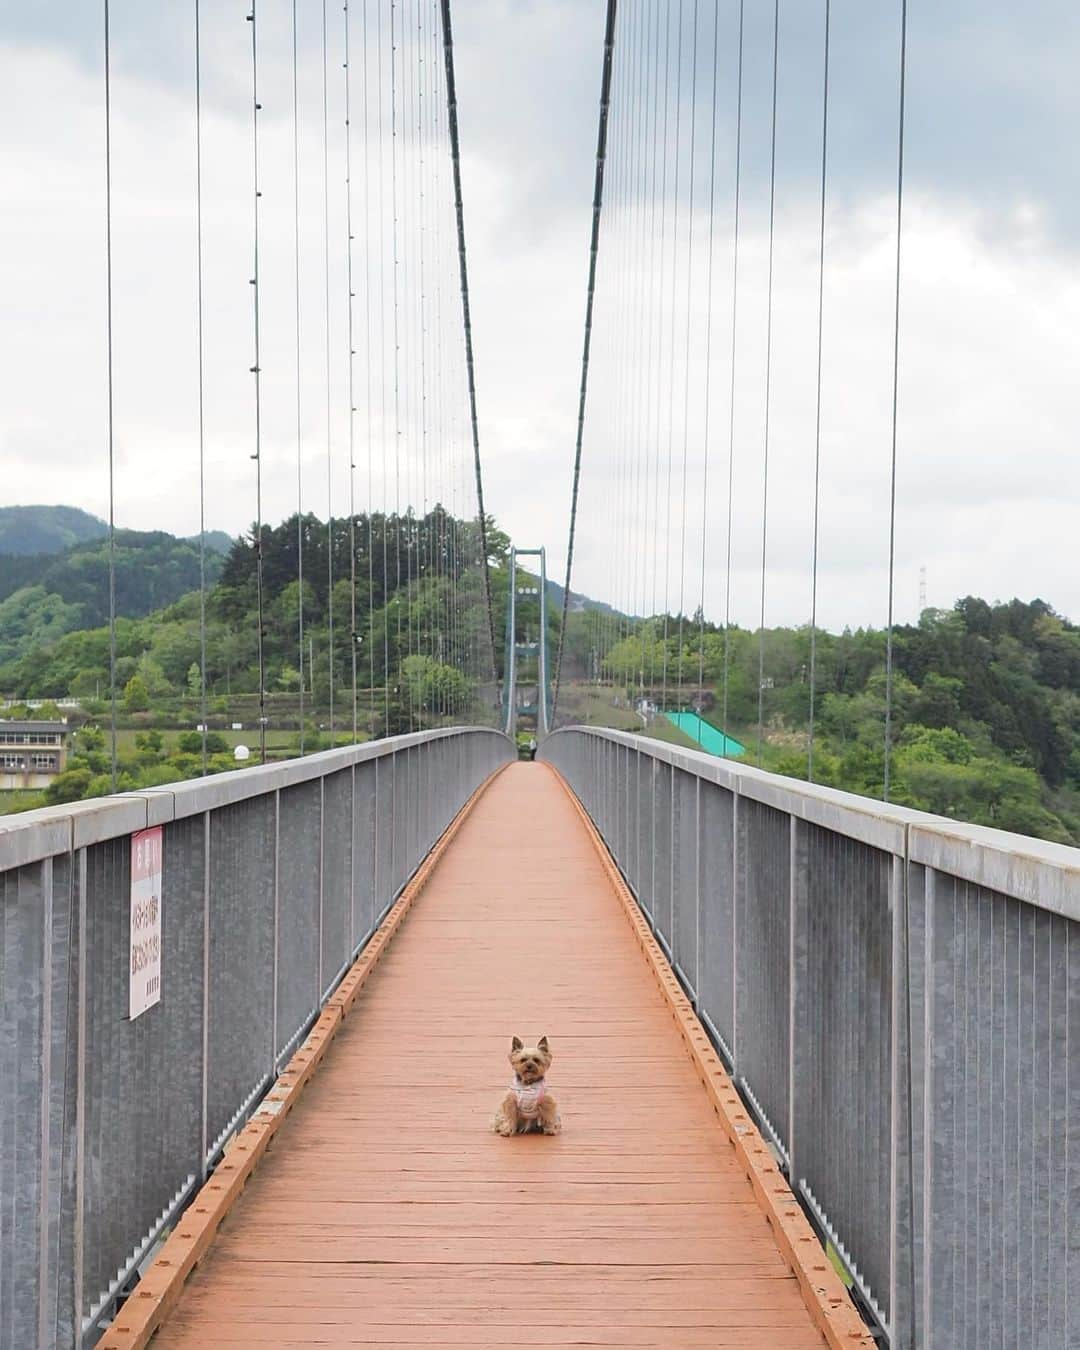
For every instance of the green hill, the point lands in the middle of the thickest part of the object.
(45, 529)
(44, 596)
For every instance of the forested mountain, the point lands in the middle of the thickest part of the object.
(43, 596)
(985, 719)
(46, 653)
(46, 529)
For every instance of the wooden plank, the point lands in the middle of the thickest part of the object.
(388, 1213)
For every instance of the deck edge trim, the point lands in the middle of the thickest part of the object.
(158, 1291)
(826, 1299)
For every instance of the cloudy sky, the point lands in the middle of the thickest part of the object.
(988, 477)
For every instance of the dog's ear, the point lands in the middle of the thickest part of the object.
(542, 1044)
(516, 1044)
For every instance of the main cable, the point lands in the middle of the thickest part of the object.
(598, 198)
(455, 156)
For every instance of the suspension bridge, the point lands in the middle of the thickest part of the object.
(814, 1051)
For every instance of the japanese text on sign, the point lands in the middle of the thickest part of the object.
(144, 989)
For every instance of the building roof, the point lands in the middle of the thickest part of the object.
(11, 724)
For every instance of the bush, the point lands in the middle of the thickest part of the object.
(69, 786)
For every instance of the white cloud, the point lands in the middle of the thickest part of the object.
(987, 480)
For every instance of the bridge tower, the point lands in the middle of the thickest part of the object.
(526, 683)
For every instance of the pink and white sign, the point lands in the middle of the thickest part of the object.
(144, 989)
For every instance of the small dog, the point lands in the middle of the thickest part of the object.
(528, 1104)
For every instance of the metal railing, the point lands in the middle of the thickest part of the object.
(898, 997)
(273, 879)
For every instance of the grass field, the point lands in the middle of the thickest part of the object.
(275, 740)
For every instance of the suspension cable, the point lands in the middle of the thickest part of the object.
(598, 198)
(109, 387)
(299, 428)
(671, 358)
(329, 435)
(255, 370)
(200, 353)
(686, 374)
(734, 365)
(817, 414)
(367, 373)
(382, 371)
(895, 398)
(352, 372)
(455, 156)
(768, 388)
(708, 370)
(659, 292)
(397, 332)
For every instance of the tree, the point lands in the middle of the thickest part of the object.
(90, 738)
(149, 745)
(153, 675)
(136, 695)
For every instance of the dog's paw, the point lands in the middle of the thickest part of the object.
(502, 1126)
(553, 1126)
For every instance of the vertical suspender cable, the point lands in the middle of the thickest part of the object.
(255, 370)
(367, 373)
(397, 335)
(423, 559)
(817, 415)
(708, 363)
(598, 198)
(768, 390)
(686, 376)
(199, 348)
(671, 358)
(109, 386)
(470, 371)
(299, 431)
(382, 372)
(352, 375)
(406, 340)
(734, 366)
(659, 358)
(895, 398)
(329, 437)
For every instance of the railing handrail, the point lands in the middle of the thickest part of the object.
(30, 836)
(1041, 873)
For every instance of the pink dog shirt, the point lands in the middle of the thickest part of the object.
(528, 1097)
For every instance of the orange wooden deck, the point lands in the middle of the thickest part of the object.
(387, 1214)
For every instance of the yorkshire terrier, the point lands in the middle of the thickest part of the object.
(528, 1105)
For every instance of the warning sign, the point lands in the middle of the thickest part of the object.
(144, 989)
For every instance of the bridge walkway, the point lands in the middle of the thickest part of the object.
(386, 1213)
